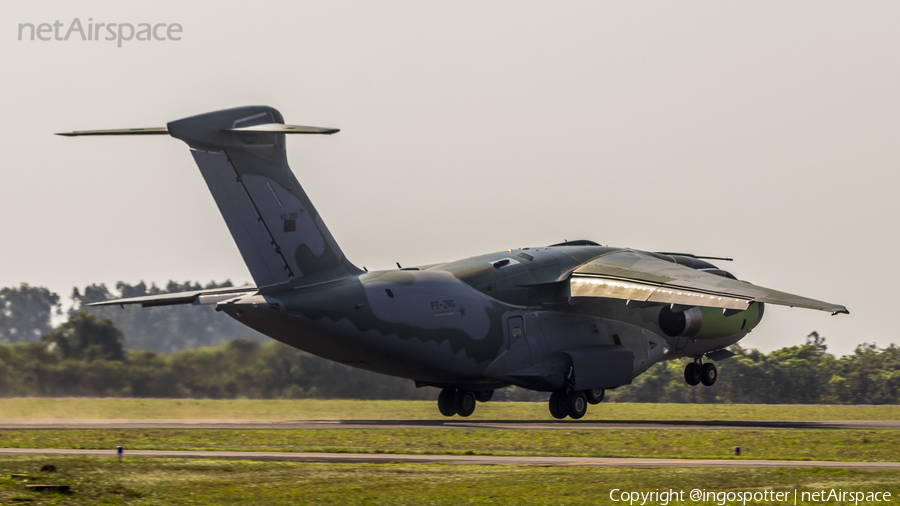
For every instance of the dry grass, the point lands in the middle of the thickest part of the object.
(202, 482)
(314, 409)
(816, 444)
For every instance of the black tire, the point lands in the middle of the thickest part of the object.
(576, 405)
(709, 374)
(484, 395)
(558, 404)
(595, 395)
(465, 403)
(447, 402)
(692, 374)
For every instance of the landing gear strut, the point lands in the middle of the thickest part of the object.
(461, 402)
(696, 373)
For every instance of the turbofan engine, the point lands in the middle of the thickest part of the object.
(709, 322)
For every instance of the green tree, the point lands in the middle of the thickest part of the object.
(86, 337)
(818, 341)
(166, 328)
(873, 374)
(26, 312)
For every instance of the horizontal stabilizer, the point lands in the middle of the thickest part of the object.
(120, 131)
(278, 128)
(196, 297)
(281, 128)
(241, 154)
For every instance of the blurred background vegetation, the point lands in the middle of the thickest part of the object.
(194, 352)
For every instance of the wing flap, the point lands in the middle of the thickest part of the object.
(639, 276)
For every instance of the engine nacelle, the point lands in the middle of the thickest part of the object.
(709, 322)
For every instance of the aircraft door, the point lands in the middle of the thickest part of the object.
(525, 340)
(535, 338)
(517, 356)
(516, 327)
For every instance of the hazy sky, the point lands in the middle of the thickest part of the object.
(764, 131)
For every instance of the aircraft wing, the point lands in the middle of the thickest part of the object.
(197, 297)
(639, 276)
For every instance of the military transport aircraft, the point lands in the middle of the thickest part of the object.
(573, 318)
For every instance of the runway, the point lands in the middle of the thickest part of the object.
(468, 460)
(450, 423)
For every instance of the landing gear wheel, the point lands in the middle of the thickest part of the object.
(576, 405)
(595, 395)
(447, 402)
(709, 374)
(692, 374)
(465, 403)
(484, 395)
(558, 404)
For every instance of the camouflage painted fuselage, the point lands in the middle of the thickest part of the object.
(487, 321)
(574, 316)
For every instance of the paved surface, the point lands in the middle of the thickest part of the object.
(452, 423)
(471, 460)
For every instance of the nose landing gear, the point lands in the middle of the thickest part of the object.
(697, 372)
(708, 374)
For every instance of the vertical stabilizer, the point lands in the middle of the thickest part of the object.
(241, 155)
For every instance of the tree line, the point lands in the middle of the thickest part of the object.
(804, 374)
(193, 352)
(84, 357)
(27, 313)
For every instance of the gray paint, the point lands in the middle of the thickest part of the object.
(483, 322)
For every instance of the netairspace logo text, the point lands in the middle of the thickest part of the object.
(91, 31)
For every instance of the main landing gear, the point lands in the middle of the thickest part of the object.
(461, 402)
(574, 403)
(697, 372)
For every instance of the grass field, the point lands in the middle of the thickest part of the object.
(202, 482)
(312, 409)
(177, 481)
(817, 444)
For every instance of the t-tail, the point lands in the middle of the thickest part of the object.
(241, 155)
